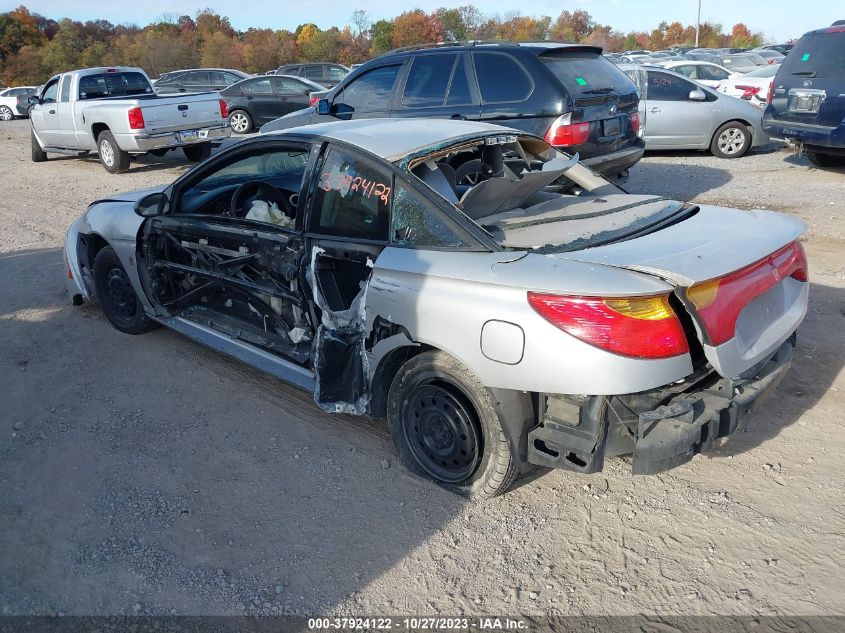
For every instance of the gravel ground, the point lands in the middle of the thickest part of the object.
(148, 475)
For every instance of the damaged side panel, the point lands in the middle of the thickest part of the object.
(231, 278)
(338, 281)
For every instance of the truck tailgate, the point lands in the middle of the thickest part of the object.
(169, 114)
(734, 246)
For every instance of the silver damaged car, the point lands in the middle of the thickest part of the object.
(539, 316)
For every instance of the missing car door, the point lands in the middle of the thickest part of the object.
(348, 227)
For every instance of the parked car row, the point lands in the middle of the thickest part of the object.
(13, 102)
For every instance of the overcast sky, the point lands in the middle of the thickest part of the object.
(778, 19)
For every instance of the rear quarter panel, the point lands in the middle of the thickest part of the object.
(444, 299)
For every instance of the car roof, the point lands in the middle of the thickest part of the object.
(394, 139)
(536, 47)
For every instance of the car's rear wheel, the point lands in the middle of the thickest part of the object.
(240, 122)
(198, 152)
(116, 294)
(6, 113)
(445, 427)
(114, 159)
(38, 154)
(820, 159)
(732, 140)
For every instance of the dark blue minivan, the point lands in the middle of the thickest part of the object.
(807, 97)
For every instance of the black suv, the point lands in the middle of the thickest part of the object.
(807, 97)
(568, 94)
(324, 73)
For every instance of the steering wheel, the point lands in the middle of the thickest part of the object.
(259, 190)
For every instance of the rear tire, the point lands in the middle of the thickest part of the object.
(825, 160)
(114, 159)
(6, 114)
(240, 122)
(444, 426)
(117, 296)
(38, 154)
(197, 153)
(732, 140)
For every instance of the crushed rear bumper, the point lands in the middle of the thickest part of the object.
(662, 428)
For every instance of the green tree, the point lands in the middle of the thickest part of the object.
(381, 37)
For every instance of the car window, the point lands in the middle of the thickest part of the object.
(459, 93)
(352, 198)
(313, 73)
(415, 223)
(259, 86)
(199, 78)
(585, 72)
(428, 80)
(501, 78)
(283, 168)
(113, 84)
(288, 86)
(819, 55)
(333, 73)
(712, 73)
(371, 91)
(50, 92)
(6, 93)
(666, 87)
(65, 89)
(687, 71)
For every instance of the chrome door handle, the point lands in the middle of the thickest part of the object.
(655, 109)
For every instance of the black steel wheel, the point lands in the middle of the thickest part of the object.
(116, 294)
(442, 433)
(445, 427)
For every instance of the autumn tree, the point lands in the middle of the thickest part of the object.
(416, 27)
(519, 28)
(606, 38)
(572, 26)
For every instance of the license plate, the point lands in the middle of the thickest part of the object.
(189, 135)
(610, 127)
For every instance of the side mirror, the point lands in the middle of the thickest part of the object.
(697, 95)
(343, 111)
(324, 107)
(151, 205)
(33, 100)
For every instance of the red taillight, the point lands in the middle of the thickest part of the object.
(748, 91)
(771, 94)
(635, 122)
(638, 327)
(312, 101)
(136, 119)
(719, 301)
(562, 133)
(224, 109)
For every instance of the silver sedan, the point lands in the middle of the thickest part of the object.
(680, 114)
(538, 317)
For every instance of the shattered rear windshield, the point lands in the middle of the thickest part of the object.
(526, 195)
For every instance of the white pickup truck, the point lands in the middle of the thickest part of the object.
(116, 113)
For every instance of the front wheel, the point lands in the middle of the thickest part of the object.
(196, 153)
(444, 426)
(38, 154)
(6, 113)
(825, 160)
(732, 140)
(114, 159)
(116, 294)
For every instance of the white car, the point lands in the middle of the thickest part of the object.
(9, 101)
(753, 87)
(704, 73)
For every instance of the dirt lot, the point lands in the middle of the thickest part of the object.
(148, 475)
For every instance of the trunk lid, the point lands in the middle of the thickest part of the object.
(183, 112)
(713, 243)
